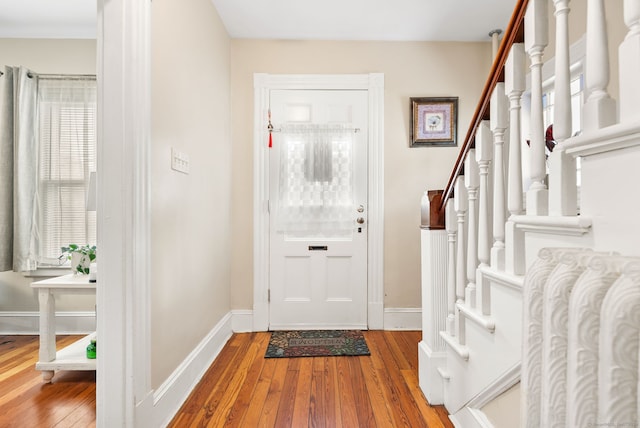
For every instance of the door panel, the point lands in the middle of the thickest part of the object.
(318, 188)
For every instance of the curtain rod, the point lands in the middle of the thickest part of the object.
(61, 76)
(68, 76)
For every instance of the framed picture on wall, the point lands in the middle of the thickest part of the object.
(434, 121)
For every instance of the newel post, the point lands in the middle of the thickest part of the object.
(434, 266)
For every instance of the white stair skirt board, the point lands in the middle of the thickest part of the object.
(431, 366)
(470, 416)
(27, 323)
(170, 396)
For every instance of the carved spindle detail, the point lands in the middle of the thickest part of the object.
(461, 202)
(515, 84)
(452, 228)
(536, 39)
(484, 154)
(629, 64)
(471, 181)
(499, 123)
(599, 108)
(563, 192)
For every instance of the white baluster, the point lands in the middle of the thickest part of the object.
(599, 109)
(515, 84)
(629, 63)
(484, 153)
(452, 227)
(563, 191)
(499, 123)
(471, 182)
(536, 39)
(461, 203)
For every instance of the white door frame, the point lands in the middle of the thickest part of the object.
(374, 84)
(123, 389)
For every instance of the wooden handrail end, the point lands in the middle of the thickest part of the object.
(436, 214)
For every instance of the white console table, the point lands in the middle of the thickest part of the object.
(73, 357)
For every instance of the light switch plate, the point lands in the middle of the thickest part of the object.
(179, 161)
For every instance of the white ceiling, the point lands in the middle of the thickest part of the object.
(446, 20)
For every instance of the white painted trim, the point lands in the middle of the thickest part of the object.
(485, 321)
(614, 137)
(170, 396)
(242, 320)
(471, 416)
(431, 368)
(123, 391)
(403, 318)
(568, 225)
(374, 84)
(504, 279)
(28, 322)
(496, 388)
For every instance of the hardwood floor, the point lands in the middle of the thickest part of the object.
(241, 388)
(26, 401)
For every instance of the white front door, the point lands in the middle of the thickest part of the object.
(318, 209)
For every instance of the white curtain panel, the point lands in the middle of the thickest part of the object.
(6, 169)
(19, 160)
(25, 171)
(316, 181)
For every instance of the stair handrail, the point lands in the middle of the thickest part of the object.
(513, 34)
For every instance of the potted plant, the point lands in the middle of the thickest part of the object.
(81, 257)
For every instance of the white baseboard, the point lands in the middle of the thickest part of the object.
(242, 320)
(28, 322)
(403, 319)
(168, 399)
(394, 319)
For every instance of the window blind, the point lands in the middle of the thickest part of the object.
(67, 137)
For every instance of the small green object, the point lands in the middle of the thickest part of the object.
(91, 350)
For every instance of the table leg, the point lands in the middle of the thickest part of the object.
(47, 375)
(47, 351)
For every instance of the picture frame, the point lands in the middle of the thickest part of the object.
(434, 121)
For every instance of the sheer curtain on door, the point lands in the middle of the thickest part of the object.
(316, 181)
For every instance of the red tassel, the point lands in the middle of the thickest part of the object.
(270, 140)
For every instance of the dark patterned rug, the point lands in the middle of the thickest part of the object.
(316, 343)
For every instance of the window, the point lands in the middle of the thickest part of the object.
(67, 140)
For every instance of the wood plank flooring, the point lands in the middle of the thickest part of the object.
(26, 401)
(241, 388)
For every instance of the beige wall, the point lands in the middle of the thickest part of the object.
(411, 69)
(190, 230)
(49, 56)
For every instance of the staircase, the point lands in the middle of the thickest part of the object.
(513, 236)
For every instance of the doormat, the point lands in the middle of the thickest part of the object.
(316, 343)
